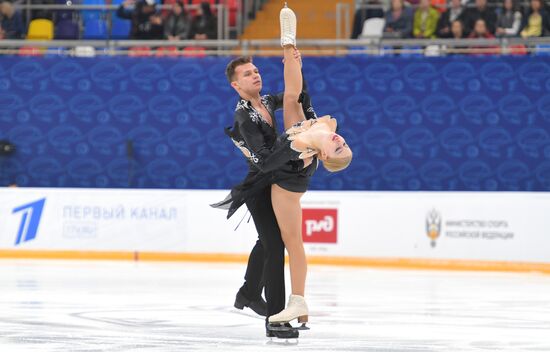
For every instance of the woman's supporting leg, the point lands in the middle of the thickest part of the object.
(288, 212)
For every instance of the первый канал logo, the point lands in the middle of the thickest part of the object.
(30, 219)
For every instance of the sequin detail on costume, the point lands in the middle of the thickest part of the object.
(247, 153)
(256, 117)
(241, 105)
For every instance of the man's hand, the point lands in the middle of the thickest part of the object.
(297, 56)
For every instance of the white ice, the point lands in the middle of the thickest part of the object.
(147, 306)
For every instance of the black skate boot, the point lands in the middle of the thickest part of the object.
(259, 306)
(281, 331)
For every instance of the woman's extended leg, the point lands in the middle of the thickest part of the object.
(292, 109)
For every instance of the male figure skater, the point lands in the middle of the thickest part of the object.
(255, 132)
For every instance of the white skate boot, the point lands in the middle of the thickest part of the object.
(288, 26)
(296, 308)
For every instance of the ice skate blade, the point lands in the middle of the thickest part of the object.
(283, 342)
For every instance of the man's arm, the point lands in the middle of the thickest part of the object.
(265, 158)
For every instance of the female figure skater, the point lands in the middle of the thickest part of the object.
(306, 140)
(309, 138)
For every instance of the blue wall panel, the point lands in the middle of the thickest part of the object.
(478, 124)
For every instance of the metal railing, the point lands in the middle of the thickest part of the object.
(343, 20)
(270, 47)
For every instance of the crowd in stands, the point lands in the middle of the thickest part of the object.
(184, 19)
(456, 19)
(177, 24)
(196, 19)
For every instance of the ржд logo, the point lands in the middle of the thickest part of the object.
(320, 225)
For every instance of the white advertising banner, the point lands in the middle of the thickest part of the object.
(430, 225)
(438, 225)
(116, 220)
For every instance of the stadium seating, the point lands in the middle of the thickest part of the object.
(40, 29)
(373, 28)
(167, 51)
(66, 29)
(139, 51)
(95, 26)
(30, 51)
(194, 51)
(120, 27)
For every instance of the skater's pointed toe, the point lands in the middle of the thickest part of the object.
(288, 26)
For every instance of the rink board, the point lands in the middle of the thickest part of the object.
(491, 230)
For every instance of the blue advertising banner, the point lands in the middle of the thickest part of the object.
(456, 123)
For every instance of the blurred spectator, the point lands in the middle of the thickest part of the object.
(12, 26)
(536, 23)
(363, 14)
(399, 20)
(43, 13)
(455, 12)
(457, 30)
(146, 22)
(480, 11)
(425, 20)
(439, 5)
(509, 20)
(177, 25)
(204, 25)
(481, 30)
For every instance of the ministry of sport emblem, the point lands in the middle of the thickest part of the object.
(433, 225)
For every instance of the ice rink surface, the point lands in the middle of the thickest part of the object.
(147, 306)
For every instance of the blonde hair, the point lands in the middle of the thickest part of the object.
(337, 164)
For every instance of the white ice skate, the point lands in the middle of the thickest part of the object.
(296, 308)
(288, 26)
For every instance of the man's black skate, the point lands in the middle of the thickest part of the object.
(281, 331)
(259, 306)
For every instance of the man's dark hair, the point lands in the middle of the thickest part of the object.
(233, 64)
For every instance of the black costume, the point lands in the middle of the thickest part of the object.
(270, 160)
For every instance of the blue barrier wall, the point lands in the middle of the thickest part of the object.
(478, 123)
